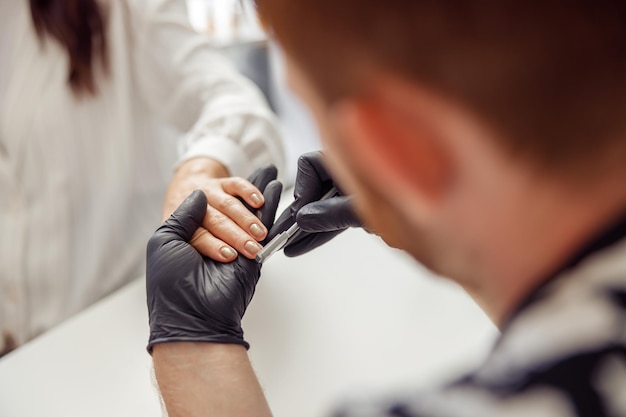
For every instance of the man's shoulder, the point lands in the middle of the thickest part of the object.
(562, 355)
(590, 384)
(577, 318)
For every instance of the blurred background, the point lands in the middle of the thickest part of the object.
(233, 28)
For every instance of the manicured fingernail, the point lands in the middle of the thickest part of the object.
(256, 230)
(252, 247)
(227, 252)
(256, 198)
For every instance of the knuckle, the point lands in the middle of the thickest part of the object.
(227, 204)
(214, 221)
(238, 182)
(246, 186)
(233, 236)
(154, 243)
(220, 225)
(210, 186)
(306, 157)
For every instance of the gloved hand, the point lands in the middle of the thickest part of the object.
(321, 220)
(192, 298)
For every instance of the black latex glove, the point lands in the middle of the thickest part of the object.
(320, 220)
(192, 298)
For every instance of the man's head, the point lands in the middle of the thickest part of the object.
(463, 127)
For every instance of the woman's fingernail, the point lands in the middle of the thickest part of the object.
(256, 198)
(252, 247)
(256, 230)
(227, 252)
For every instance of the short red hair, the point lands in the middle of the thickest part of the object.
(549, 75)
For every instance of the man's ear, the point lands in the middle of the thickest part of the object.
(394, 144)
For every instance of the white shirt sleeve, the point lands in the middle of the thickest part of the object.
(223, 115)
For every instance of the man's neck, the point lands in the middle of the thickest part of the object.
(543, 228)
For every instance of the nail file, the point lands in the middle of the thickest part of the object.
(280, 241)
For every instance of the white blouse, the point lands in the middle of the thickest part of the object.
(82, 180)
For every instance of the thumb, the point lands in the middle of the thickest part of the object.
(184, 222)
(328, 215)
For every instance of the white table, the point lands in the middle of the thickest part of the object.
(351, 317)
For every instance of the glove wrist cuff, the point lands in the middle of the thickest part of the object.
(200, 339)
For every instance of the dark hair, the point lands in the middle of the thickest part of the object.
(548, 75)
(79, 26)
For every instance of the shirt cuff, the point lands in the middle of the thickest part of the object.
(221, 149)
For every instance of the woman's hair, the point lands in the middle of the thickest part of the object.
(79, 26)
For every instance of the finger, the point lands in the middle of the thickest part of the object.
(263, 176)
(225, 229)
(284, 222)
(186, 219)
(312, 182)
(328, 215)
(312, 179)
(235, 209)
(260, 179)
(249, 194)
(212, 247)
(309, 242)
(251, 190)
(272, 197)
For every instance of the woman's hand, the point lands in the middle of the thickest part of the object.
(194, 298)
(229, 225)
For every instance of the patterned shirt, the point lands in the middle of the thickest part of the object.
(561, 354)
